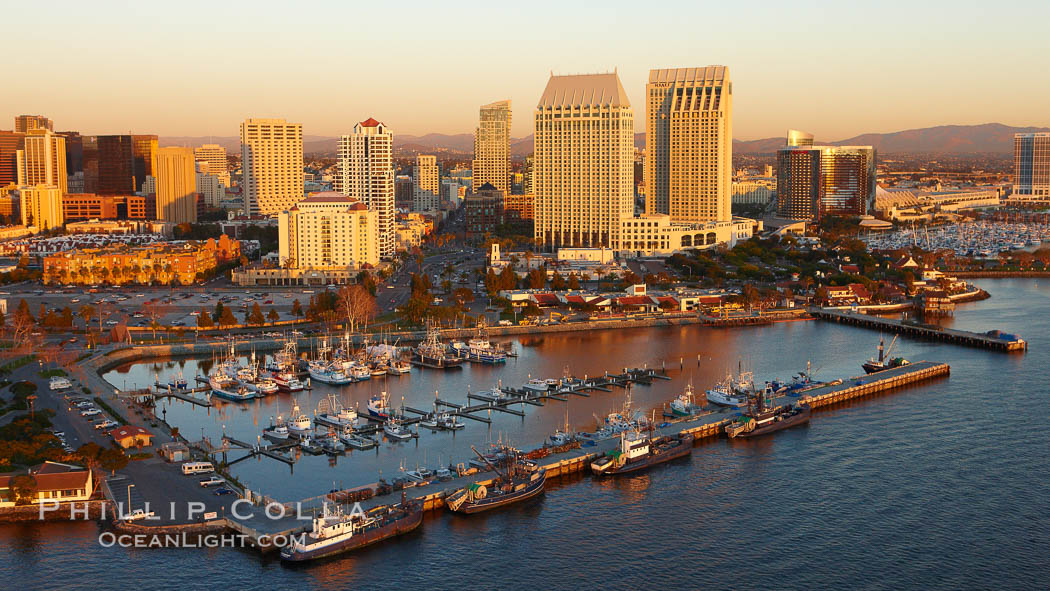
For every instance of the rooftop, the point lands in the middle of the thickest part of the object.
(584, 90)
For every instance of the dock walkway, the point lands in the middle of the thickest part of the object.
(922, 331)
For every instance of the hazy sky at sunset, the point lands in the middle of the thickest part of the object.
(834, 68)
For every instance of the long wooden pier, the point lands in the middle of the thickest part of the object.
(703, 427)
(922, 331)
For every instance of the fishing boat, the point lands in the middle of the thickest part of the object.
(431, 353)
(334, 532)
(220, 380)
(332, 413)
(398, 367)
(441, 421)
(177, 382)
(537, 385)
(762, 419)
(326, 372)
(287, 382)
(310, 446)
(236, 393)
(299, 425)
(352, 439)
(685, 405)
(480, 350)
(278, 433)
(395, 430)
(379, 371)
(638, 451)
(519, 480)
(725, 394)
(332, 445)
(884, 361)
(379, 406)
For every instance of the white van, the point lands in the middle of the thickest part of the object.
(197, 468)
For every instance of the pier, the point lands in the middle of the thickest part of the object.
(704, 427)
(928, 332)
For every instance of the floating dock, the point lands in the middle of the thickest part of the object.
(703, 427)
(928, 332)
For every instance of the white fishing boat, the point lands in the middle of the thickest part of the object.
(684, 405)
(299, 424)
(399, 368)
(277, 433)
(331, 412)
(725, 394)
(537, 385)
(287, 382)
(352, 439)
(327, 373)
(395, 430)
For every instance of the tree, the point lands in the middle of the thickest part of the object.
(272, 315)
(112, 459)
(87, 312)
(297, 309)
(463, 296)
(537, 278)
(24, 488)
(557, 282)
(227, 318)
(204, 320)
(220, 309)
(574, 282)
(356, 304)
(256, 316)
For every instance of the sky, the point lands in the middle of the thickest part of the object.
(836, 69)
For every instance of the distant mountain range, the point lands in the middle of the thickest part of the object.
(947, 139)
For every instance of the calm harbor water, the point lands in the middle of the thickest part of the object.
(942, 485)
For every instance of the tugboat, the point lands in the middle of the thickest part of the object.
(761, 420)
(522, 479)
(884, 362)
(335, 532)
(431, 353)
(639, 451)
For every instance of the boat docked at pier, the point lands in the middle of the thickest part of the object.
(431, 353)
(355, 440)
(299, 424)
(335, 532)
(234, 392)
(393, 429)
(884, 361)
(379, 406)
(761, 418)
(480, 350)
(327, 372)
(687, 404)
(638, 451)
(332, 413)
(727, 394)
(518, 480)
(287, 382)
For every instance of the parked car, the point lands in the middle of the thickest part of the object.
(107, 424)
(212, 481)
(225, 491)
(91, 412)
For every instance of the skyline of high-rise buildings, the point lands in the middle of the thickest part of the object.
(491, 162)
(42, 159)
(27, 123)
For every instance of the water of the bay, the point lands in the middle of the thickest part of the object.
(942, 485)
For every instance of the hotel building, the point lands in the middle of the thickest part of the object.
(689, 143)
(425, 183)
(367, 175)
(583, 161)
(1031, 167)
(272, 165)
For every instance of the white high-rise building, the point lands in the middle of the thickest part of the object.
(214, 156)
(175, 179)
(210, 188)
(272, 165)
(43, 159)
(492, 147)
(366, 173)
(328, 231)
(583, 170)
(425, 184)
(689, 144)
